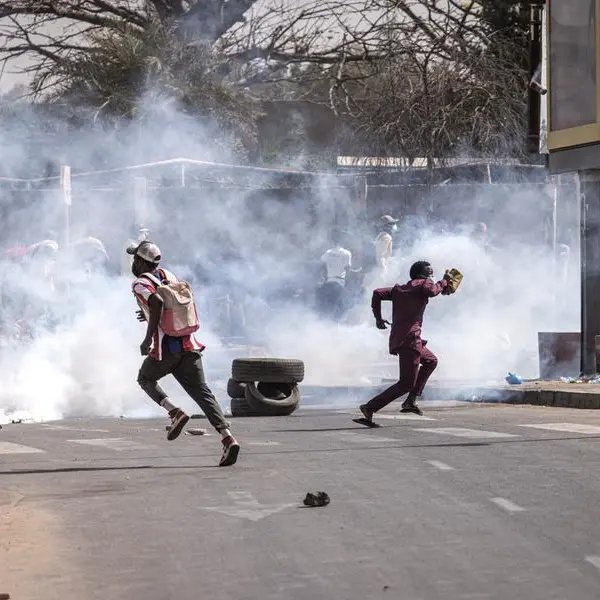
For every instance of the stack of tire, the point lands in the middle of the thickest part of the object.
(265, 387)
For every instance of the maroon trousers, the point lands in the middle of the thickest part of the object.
(416, 367)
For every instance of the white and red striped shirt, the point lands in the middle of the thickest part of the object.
(143, 288)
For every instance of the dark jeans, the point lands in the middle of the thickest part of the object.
(416, 367)
(187, 369)
(332, 300)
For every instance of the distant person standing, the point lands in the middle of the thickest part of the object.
(480, 235)
(92, 255)
(170, 346)
(416, 361)
(384, 243)
(39, 283)
(336, 262)
(12, 289)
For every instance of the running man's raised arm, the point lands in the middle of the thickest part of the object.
(431, 289)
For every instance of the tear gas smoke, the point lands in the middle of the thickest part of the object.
(242, 248)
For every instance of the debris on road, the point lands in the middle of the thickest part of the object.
(593, 379)
(514, 379)
(15, 417)
(195, 431)
(316, 499)
(191, 431)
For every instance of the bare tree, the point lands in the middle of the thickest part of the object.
(411, 76)
(271, 40)
(281, 32)
(445, 88)
(418, 108)
(152, 76)
(47, 31)
(280, 40)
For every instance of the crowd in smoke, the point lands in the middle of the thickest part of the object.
(69, 335)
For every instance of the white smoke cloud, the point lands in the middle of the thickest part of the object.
(244, 246)
(510, 292)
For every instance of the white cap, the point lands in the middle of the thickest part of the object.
(147, 250)
(388, 220)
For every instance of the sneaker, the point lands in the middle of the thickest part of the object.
(368, 413)
(409, 406)
(231, 449)
(178, 422)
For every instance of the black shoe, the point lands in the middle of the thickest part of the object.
(409, 406)
(368, 417)
(367, 412)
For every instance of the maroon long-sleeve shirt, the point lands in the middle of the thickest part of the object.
(408, 305)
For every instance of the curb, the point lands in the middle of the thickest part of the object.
(559, 399)
(589, 400)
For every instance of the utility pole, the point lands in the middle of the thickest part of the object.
(535, 91)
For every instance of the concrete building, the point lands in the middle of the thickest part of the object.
(573, 108)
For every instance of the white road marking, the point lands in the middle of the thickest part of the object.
(469, 433)
(67, 428)
(246, 506)
(507, 505)
(11, 448)
(406, 417)
(364, 438)
(594, 560)
(440, 465)
(570, 427)
(117, 444)
(262, 444)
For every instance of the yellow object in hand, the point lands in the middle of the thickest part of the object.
(454, 278)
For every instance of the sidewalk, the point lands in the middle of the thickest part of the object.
(541, 393)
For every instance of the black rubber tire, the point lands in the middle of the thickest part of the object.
(240, 408)
(269, 370)
(257, 401)
(235, 389)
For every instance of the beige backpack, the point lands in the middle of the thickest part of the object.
(179, 316)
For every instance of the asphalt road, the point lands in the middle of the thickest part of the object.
(471, 502)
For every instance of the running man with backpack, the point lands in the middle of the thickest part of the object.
(170, 348)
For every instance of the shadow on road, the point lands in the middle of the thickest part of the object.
(377, 448)
(93, 469)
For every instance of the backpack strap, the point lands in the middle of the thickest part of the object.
(155, 280)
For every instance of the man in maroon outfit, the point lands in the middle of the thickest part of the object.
(417, 362)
